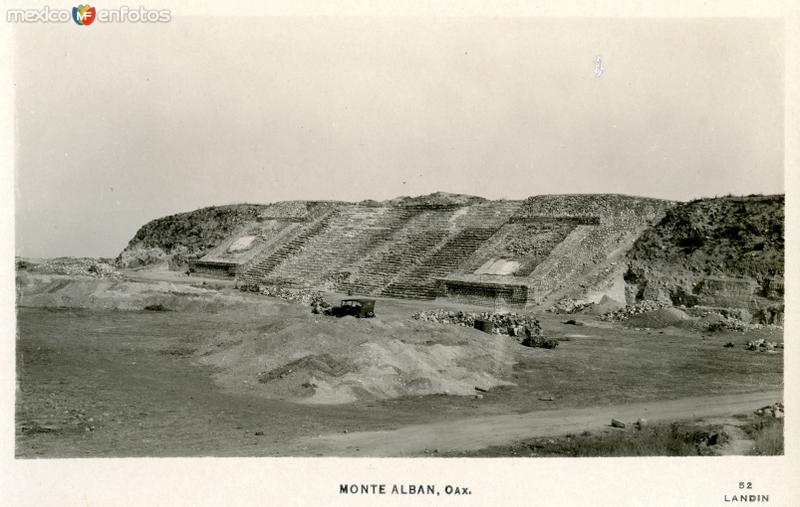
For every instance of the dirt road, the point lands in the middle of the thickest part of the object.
(481, 432)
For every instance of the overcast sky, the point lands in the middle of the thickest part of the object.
(119, 124)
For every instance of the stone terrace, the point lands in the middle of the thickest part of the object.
(402, 248)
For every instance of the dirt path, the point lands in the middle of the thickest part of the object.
(739, 443)
(481, 432)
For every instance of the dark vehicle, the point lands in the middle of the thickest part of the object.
(359, 308)
(487, 326)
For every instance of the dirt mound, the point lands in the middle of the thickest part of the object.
(656, 319)
(314, 359)
(320, 364)
(511, 324)
(605, 305)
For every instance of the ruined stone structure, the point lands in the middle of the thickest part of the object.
(506, 253)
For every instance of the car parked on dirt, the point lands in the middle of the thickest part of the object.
(359, 308)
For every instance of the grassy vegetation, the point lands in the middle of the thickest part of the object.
(676, 439)
(767, 432)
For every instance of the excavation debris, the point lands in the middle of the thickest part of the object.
(569, 305)
(762, 345)
(729, 323)
(304, 296)
(605, 305)
(632, 310)
(658, 319)
(775, 410)
(80, 266)
(511, 324)
(305, 358)
(525, 328)
(541, 342)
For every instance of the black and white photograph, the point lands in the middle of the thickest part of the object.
(508, 240)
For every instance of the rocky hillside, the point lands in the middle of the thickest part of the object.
(727, 251)
(175, 238)
(723, 252)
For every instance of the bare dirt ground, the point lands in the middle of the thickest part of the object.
(480, 432)
(98, 382)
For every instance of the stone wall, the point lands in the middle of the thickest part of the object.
(420, 282)
(213, 268)
(484, 293)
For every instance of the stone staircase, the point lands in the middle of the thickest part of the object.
(420, 282)
(403, 251)
(349, 237)
(262, 268)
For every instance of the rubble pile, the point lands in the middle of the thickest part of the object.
(762, 345)
(775, 410)
(511, 324)
(631, 310)
(600, 205)
(731, 323)
(569, 305)
(732, 319)
(539, 342)
(303, 296)
(80, 266)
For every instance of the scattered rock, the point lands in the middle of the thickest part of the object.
(632, 310)
(761, 345)
(303, 296)
(511, 324)
(569, 305)
(775, 410)
(660, 318)
(616, 423)
(539, 342)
